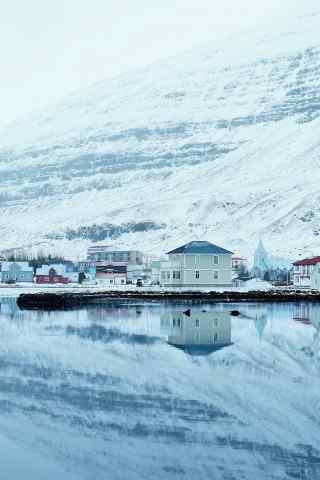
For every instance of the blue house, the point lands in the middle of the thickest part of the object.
(12, 272)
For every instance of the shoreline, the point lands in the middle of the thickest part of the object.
(69, 300)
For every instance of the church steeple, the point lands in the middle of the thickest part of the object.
(261, 260)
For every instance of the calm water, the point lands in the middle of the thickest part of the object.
(99, 393)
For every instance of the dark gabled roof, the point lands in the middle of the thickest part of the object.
(111, 268)
(200, 247)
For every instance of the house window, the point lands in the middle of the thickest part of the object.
(215, 260)
(176, 275)
(163, 275)
(197, 274)
(168, 275)
(197, 323)
(215, 322)
(216, 275)
(111, 282)
(215, 338)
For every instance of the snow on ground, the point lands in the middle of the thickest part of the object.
(15, 290)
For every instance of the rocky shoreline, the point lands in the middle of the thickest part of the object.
(60, 301)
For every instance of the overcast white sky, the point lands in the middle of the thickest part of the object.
(51, 47)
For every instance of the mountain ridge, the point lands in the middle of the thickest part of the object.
(213, 145)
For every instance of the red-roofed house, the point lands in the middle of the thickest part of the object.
(304, 272)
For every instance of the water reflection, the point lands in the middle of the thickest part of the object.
(94, 389)
(8, 306)
(198, 331)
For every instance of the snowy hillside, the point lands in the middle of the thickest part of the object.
(221, 143)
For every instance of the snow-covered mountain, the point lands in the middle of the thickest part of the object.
(221, 143)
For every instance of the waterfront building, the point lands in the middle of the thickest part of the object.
(12, 272)
(115, 274)
(51, 274)
(197, 264)
(306, 273)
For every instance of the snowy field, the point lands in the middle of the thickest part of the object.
(16, 290)
(99, 394)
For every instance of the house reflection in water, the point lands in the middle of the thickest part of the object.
(198, 332)
(308, 313)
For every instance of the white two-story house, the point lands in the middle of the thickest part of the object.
(304, 272)
(197, 264)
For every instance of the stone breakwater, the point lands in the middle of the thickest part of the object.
(60, 301)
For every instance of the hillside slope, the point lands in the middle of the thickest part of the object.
(221, 143)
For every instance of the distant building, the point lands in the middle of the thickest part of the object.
(138, 272)
(197, 264)
(115, 274)
(261, 262)
(155, 271)
(306, 273)
(12, 272)
(104, 253)
(239, 264)
(87, 271)
(52, 274)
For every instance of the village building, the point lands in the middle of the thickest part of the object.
(306, 273)
(155, 272)
(12, 272)
(239, 264)
(137, 273)
(87, 271)
(115, 274)
(52, 274)
(197, 264)
(105, 253)
(315, 277)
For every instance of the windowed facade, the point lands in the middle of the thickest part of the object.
(197, 269)
(197, 323)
